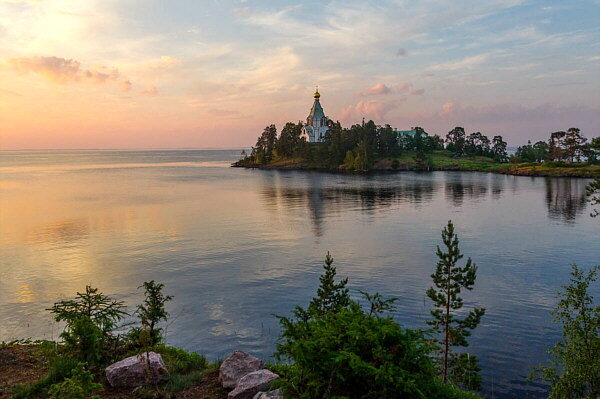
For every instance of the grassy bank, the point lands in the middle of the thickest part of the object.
(27, 370)
(444, 160)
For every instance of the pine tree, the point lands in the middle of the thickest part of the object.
(152, 311)
(449, 279)
(331, 296)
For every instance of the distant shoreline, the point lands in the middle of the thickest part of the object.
(441, 162)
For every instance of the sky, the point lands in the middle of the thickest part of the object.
(214, 73)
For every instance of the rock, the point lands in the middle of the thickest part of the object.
(137, 370)
(236, 366)
(276, 394)
(252, 383)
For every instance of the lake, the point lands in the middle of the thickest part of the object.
(235, 246)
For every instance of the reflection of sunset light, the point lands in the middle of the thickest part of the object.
(25, 293)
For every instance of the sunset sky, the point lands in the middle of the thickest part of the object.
(213, 73)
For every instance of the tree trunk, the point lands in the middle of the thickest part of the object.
(447, 327)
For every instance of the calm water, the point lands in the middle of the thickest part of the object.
(235, 246)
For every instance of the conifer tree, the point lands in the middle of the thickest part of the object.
(152, 311)
(331, 296)
(449, 279)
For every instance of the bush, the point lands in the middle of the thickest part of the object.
(338, 350)
(90, 319)
(79, 386)
(574, 370)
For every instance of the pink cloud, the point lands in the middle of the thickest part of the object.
(53, 68)
(62, 70)
(417, 92)
(403, 86)
(150, 91)
(378, 89)
(371, 109)
(401, 52)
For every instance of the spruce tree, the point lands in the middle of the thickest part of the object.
(449, 279)
(331, 296)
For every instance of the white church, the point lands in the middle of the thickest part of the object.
(316, 123)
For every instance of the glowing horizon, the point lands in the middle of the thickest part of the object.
(124, 75)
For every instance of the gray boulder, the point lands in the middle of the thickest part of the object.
(276, 394)
(236, 366)
(252, 383)
(136, 371)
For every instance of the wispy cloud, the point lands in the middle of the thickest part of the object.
(465, 63)
(62, 70)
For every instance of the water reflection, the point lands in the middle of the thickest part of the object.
(327, 194)
(565, 198)
(472, 187)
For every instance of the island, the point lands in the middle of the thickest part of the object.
(319, 143)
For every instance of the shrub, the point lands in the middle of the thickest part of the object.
(90, 319)
(338, 350)
(574, 371)
(79, 386)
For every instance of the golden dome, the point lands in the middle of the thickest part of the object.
(317, 95)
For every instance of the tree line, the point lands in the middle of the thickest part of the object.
(358, 146)
(569, 146)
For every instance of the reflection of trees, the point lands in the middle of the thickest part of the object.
(323, 194)
(565, 198)
(473, 186)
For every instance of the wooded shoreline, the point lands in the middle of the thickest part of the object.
(440, 161)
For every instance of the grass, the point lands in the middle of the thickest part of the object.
(60, 367)
(190, 374)
(443, 160)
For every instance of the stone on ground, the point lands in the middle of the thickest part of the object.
(136, 371)
(276, 394)
(252, 383)
(236, 366)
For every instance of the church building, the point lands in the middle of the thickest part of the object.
(316, 123)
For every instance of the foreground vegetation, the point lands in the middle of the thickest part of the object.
(336, 347)
(369, 147)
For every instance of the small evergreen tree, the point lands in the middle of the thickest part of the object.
(90, 319)
(331, 296)
(449, 279)
(574, 371)
(152, 310)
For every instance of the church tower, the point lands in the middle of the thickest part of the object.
(316, 123)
